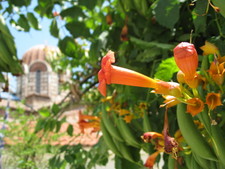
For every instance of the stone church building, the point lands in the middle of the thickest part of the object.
(40, 85)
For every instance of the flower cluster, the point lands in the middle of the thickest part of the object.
(189, 79)
(201, 90)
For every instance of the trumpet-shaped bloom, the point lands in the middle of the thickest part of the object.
(186, 58)
(209, 48)
(88, 121)
(168, 88)
(151, 159)
(216, 71)
(193, 82)
(195, 106)
(213, 100)
(113, 74)
(163, 142)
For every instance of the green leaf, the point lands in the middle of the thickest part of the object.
(33, 20)
(199, 16)
(127, 4)
(54, 28)
(69, 158)
(220, 4)
(144, 44)
(141, 6)
(23, 23)
(20, 3)
(55, 109)
(78, 29)
(2, 79)
(68, 46)
(40, 124)
(52, 124)
(167, 12)
(44, 113)
(200, 24)
(149, 55)
(73, 12)
(90, 4)
(58, 126)
(166, 69)
(94, 51)
(121, 163)
(70, 130)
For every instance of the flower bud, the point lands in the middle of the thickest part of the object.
(180, 77)
(186, 58)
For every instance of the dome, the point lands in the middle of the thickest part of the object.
(40, 53)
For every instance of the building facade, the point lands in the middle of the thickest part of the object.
(39, 86)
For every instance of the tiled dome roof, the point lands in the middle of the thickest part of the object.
(40, 52)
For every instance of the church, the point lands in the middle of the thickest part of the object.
(39, 85)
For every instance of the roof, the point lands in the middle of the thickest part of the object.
(41, 53)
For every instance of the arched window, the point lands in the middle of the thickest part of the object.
(38, 81)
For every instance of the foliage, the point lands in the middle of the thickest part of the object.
(87, 29)
(23, 148)
(78, 157)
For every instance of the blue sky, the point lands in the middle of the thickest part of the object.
(26, 40)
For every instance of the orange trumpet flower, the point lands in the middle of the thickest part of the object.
(151, 159)
(213, 100)
(186, 58)
(117, 75)
(113, 74)
(216, 71)
(195, 106)
(88, 121)
(168, 88)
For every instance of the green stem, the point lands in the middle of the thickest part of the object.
(195, 92)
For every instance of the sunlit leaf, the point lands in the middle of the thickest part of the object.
(44, 112)
(166, 69)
